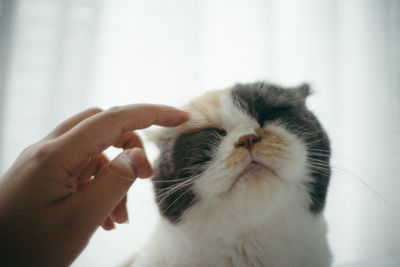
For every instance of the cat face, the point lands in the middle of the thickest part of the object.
(252, 149)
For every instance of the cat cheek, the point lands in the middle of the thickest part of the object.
(293, 167)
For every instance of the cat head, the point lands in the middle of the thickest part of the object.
(248, 150)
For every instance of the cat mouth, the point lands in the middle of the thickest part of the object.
(254, 168)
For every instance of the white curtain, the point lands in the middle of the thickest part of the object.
(67, 55)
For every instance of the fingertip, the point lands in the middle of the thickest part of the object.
(120, 214)
(185, 115)
(182, 116)
(137, 158)
(108, 224)
(172, 117)
(141, 166)
(145, 170)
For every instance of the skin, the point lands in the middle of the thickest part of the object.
(61, 189)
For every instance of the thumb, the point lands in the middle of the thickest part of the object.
(110, 185)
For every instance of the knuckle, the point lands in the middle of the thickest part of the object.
(28, 150)
(113, 113)
(115, 110)
(42, 152)
(94, 110)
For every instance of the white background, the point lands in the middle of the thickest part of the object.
(60, 57)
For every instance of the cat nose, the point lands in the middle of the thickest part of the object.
(247, 141)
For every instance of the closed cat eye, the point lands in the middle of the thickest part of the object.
(220, 131)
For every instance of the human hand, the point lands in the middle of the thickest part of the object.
(50, 204)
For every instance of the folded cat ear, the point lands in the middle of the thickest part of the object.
(301, 93)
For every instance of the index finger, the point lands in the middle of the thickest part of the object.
(102, 130)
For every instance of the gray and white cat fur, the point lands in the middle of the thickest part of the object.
(242, 183)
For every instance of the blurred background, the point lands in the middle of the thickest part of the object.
(58, 57)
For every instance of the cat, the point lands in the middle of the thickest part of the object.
(242, 183)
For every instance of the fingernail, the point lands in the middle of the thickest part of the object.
(124, 215)
(178, 115)
(145, 170)
(136, 157)
(185, 115)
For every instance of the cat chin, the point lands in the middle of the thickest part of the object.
(240, 235)
(253, 172)
(251, 204)
(254, 194)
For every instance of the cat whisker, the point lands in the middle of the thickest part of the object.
(174, 189)
(164, 210)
